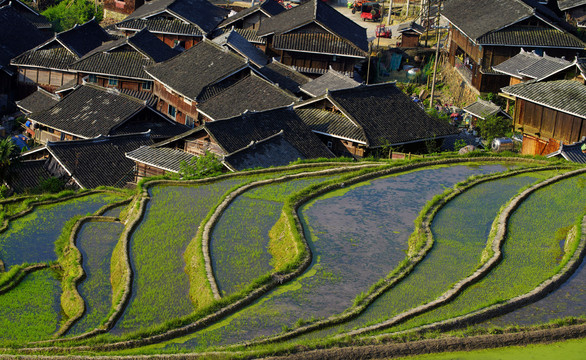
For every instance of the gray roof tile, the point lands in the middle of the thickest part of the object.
(38, 101)
(482, 108)
(532, 37)
(202, 65)
(332, 80)
(569, 4)
(317, 43)
(571, 152)
(332, 123)
(564, 95)
(233, 40)
(285, 76)
(270, 7)
(160, 157)
(273, 151)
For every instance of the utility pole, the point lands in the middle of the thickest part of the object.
(368, 68)
(437, 46)
(427, 22)
(408, 2)
(390, 11)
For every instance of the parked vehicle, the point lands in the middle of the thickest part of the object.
(383, 31)
(370, 11)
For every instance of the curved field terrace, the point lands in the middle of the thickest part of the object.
(273, 262)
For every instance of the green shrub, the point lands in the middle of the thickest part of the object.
(67, 13)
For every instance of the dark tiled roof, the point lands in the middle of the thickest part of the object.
(82, 39)
(17, 35)
(581, 64)
(164, 26)
(572, 152)
(38, 101)
(251, 93)
(285, 76)
(386, 115)
(273, 151)
(249, 34)
(332, 80)
(34, 17)
(532, 37)
(200, 66)
(236, 133)
(89, 111)
(563, 95)
(323, 14)
(70, 85)
(520, 61)
(411, 26)
(476, 20)
(148, 97)
(160, 157)
(65, 48)
(160, 127)
(317, 43)
(482, 108)
(233, 40)
(99, 161)
(268, 7)
(56, 57)
(331, 123)
(201, 13)
(28, 175)
(568, 4)
(126, 57)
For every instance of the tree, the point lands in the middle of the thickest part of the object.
(494, 126)
(7, 151)
(67, 13)
(201, 166)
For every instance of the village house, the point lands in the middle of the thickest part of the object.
(252, 17)
(17, 35)
(181, 23)
(38, 101)
(313, 37)
(249, 94)
(548, 114)
(47, 65)
(485, 35)
(120, 63)
(527, 66)
(90, 111)
(362, 120)
(261, 139)
(81, 164)
(186, 80)
(38, 20)
(575, 152)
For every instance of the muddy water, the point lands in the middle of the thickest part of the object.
(356, 239)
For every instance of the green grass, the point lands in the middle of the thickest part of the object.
(531, 251)
(31, 310)
(567, 350)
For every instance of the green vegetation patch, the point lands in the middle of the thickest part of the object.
(531, 251)
(31, 311)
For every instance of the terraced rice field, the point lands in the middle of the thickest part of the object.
(39, 229)
(358, 235)
(96, 241)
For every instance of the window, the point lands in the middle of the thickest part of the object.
(172, 111)
(147, 85)
(189, 121)
(92, 79)
(113, 81)
(330, 144)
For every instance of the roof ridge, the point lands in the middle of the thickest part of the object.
(253, 143)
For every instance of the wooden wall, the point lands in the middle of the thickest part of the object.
(168, 97)
(123, 83)
(144, 170)
(49, 80)
(318, 61)
(544, 124)
(122, 6)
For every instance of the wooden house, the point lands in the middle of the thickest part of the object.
(261, 139)
(362, 120)
(184, 81)
(575, 152)
(284, 76)
(90, 111)
(237, 43)
(81, 164)
(332, 80)
(409, 35)
(17, 35)
(38, 101)
(120, 63)
(175, 22)
(47, 65)
(483, 35)
(251, 17)
(313, 37)
(548, 114)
